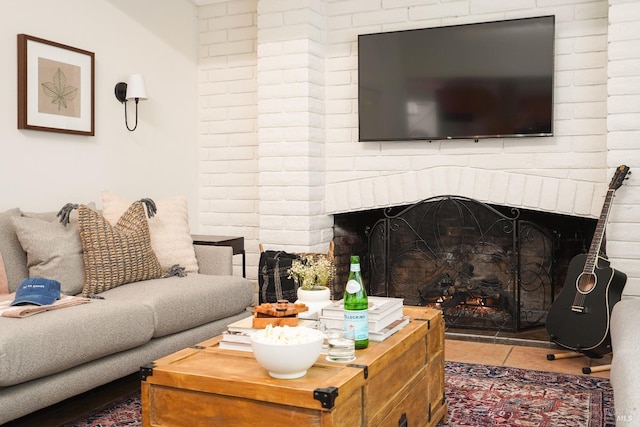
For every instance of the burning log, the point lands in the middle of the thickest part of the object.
(464, 289)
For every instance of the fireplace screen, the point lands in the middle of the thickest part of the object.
(482, 268)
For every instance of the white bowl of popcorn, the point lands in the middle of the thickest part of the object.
(286, 352)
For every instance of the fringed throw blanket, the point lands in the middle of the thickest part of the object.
(20, 311)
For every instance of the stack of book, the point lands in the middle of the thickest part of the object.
(385, 317)
(238, 334)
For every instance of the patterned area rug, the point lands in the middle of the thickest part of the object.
(122, 412)
(480, 395)
(477, 396)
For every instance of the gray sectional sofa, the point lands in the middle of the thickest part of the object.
(49, 357)
(625, 364)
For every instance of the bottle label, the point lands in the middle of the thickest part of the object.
(353, 286)
(356, 324)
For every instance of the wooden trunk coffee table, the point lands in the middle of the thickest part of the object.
(397, 382)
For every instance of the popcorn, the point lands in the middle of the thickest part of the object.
(286, 335)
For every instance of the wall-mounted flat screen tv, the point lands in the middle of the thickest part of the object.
(486, 80)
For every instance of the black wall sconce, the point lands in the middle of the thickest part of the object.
(133, 89)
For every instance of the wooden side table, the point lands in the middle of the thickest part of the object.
(236, 243)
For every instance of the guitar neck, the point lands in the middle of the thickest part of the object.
(598, 235)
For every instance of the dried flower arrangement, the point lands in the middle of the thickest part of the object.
(311, 272)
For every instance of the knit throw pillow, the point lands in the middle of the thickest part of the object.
(118, 254)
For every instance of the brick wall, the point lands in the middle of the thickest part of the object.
(291, 81)
(564, 174)
(623, 125)
(275, 168)
(227, 87)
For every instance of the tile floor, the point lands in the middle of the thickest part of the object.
(527, 349)
(519, 356)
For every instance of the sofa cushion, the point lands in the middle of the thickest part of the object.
(625, 364)
(4, 283)
(53, 251)
(180, 303)
(118, 254)
(15, 259)
(169, 229)
(53, 341)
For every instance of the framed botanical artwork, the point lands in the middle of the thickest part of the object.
(55, 87)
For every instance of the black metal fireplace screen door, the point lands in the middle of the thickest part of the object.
(482, 268)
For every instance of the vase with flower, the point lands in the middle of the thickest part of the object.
(312, 274)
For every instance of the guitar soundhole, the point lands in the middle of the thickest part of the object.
(586, 283)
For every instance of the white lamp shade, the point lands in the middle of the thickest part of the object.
(135, 87)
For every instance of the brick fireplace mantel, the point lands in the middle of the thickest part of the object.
(546, 194)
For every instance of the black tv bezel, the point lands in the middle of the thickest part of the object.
(475, 138)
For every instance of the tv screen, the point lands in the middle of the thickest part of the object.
(486, 80)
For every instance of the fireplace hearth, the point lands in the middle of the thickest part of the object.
(484, 266)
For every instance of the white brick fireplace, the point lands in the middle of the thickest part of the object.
(278, 121)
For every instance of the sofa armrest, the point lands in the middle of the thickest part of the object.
(214, 260)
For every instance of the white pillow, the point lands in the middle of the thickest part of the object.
(169, 228)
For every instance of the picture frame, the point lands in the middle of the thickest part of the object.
(56, 87)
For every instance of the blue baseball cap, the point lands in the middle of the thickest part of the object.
(38, 291)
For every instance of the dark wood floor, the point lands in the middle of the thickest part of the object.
(72, 408)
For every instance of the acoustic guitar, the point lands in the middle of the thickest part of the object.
(579, 317)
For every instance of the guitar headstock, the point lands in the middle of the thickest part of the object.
(619, 177)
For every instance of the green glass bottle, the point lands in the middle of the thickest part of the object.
(356, 306)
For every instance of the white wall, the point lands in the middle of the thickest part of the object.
(44, 170)
(209, 130)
